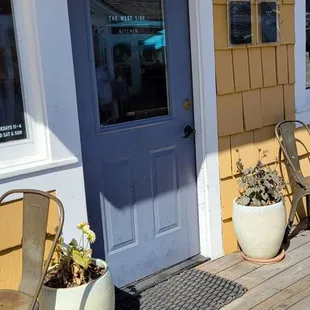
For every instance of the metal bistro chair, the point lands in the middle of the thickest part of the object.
(35, 216)
(285, 134)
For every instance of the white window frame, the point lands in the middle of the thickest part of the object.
(33, 147)
(49, 93)
(302, 95)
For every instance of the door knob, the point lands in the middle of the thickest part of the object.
(188, 130)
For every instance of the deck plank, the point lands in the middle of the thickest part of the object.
(234, 267)
(304, 304)
(285, 285)
(218, 265)
(272, 286)
(293, 300)
(266, 272)
(299, 240)
(281, 300)
(239, 270)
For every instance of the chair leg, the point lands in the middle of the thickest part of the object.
(291, 218)
(308, 211)
(286, 234)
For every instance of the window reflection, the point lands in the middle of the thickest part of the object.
(12, 124)
(130, 58)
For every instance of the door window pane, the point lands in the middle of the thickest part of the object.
(12, 122)
(130, 58)
(307, 43)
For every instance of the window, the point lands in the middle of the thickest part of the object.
(23, 137)
(240, 22)
(268, 27)
(12, 120)
(44, 96)
(130, 60)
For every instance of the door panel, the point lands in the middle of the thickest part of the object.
(132, 78)
(121, 223)
(164, 175)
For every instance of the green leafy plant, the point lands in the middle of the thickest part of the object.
(259, 185)
(72, 265)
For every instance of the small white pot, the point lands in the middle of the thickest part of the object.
(96, 295)
(260, 230)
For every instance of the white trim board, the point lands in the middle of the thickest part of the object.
(302, 96)
(205, 112)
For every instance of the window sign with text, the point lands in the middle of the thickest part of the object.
(12, 120)
(240, 22)
(268, 21)
(129, 39)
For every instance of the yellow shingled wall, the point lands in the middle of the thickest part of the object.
(255, 90)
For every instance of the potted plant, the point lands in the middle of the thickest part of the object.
(75, 280)
(259, 214)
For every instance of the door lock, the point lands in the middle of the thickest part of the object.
(188, 131)
(187, 104)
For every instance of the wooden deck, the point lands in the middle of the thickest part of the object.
(285, 285)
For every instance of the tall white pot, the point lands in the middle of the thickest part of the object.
(96, 295)
(260, 230)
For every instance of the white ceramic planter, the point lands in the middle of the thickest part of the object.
(260, 230)
(96, 295)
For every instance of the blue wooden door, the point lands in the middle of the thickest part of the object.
(133, 75)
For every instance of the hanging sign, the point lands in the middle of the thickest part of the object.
(240, 22)
(268, 21)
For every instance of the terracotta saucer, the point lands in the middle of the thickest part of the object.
(265, 261)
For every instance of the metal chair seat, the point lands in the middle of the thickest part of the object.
(15, 300)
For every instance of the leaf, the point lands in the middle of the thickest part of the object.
(78, 281)
(246, 171)
(244, 201)
(75, 269)
(74, 243)
(249, 192)
(80, 259)
(241, 183)
(256, 202)
(88, 252)
(267, 184)
(61, 240)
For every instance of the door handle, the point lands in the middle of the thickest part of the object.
(188, 130)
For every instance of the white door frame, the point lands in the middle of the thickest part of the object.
(205, 113)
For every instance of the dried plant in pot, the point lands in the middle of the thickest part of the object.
(259, 214)
(76, 280)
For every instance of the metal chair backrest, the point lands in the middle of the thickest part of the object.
(36, 206)
(285, 134)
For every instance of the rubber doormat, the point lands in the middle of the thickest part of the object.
(190, 290)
